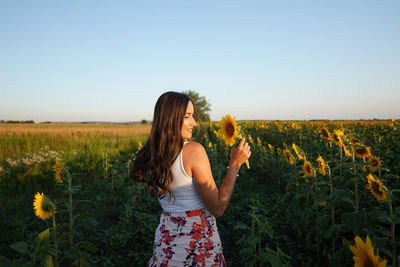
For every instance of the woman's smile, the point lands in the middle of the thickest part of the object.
(188, 121)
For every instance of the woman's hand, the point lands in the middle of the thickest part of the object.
(240, 154)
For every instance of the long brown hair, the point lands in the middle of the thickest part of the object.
(154, 160)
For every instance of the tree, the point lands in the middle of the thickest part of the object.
(201, 104)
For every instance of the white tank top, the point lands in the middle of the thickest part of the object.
(186, 196)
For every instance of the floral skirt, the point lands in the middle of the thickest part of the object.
(187, 239)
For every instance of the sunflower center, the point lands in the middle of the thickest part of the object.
(47, 205)
(374, 163)
(230, 129)
(368, 262)
(376, 188)
(361, 151)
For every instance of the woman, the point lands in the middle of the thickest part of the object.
(187, 234)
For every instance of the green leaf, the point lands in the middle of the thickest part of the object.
(83, 216)
(21, 247)
(241, 226)
(89, 246)
(4, 261)
(354, 221)
(333, 231)
(385, 219)
(340, 195)
(44, 235)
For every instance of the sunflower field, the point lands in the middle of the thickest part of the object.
(317, 193)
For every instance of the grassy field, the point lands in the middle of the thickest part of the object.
(16, 140)
(302, 203)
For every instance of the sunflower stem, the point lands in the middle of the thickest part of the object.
(55, 239)
(316, 203)
(332, 208)
(357, 199)
(71, 222)
(392, 232)
(247, 164)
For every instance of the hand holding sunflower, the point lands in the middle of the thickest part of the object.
(230, 131)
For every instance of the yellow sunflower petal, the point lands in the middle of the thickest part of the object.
(43, 207)
(229, 130)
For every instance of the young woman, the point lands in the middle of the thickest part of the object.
(180, 172)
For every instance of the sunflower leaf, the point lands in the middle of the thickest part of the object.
(89, 246)
(21, 247)
(4, 261)
(386, 219)
(354, 221)
(83, 216)
(44, 235)
(332, 231)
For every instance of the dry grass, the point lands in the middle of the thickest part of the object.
(73, 130)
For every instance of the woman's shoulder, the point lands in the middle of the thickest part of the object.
(191, 145)
(194, 149)
(193, 154)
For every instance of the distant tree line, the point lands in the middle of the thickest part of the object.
(11, 121)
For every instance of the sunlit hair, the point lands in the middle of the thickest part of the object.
(154, 160)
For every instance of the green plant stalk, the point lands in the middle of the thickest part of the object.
(71, 221)
(55, 239)
(341, 172)
(357, 198)
(317, 210)
(253, 235)
(128, 167)
(332, 208)
(392, 231)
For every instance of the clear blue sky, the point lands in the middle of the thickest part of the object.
(111, 60)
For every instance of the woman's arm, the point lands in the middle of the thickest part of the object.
(197, 165)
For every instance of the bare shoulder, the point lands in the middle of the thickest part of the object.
(194, 147)
(193, 155)
(194, 150)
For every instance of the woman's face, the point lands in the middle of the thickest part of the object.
(188, 121)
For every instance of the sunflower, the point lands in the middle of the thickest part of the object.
(58, 168)
(251, 141)
(355, 141)
(374, 163)
(270, 147)
(288, 156)
(362, 152)
(325, 133)
(321, 165)
(139, 145)
(229, 130)
(377, 188)
(364, 254)
(295, 126)
(259, 143)
(210, 145)
(43, 207)
(337, 137)
(278, 150)
(308, 169)
(297, 152)
(346, 151)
